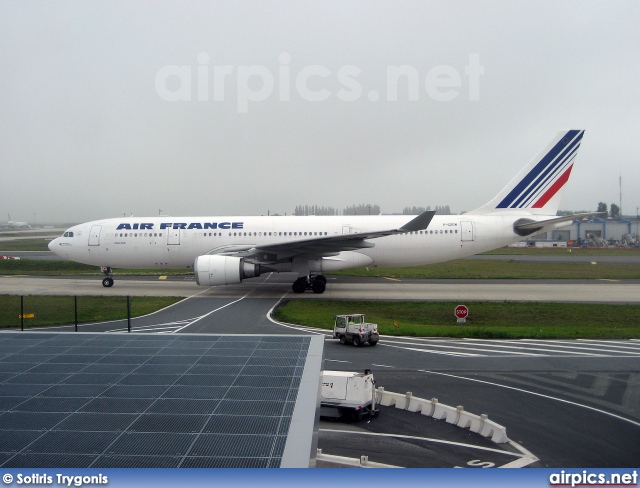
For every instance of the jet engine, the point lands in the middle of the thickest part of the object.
(223, 270)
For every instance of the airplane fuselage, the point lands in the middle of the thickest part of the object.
(164, 242)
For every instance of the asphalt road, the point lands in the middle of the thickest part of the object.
(340, 288)
(564, 403)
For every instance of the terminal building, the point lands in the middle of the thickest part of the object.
(592, 232)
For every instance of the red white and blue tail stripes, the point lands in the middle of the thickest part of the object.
(543, 181)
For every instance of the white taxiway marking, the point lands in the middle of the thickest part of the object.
(212, 312)
(292, 326)
(473, 348)
(445, 353)
(536, 394)
(524, 459)
(219, 308)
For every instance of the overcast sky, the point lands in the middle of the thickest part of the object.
(239, 108)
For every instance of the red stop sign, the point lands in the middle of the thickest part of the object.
(461, 312)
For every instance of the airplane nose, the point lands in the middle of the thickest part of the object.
(51, 244)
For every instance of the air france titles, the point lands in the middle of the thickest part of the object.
(182, 225)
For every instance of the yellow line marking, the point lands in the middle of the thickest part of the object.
(392, 279)
(606, 279)
(162, 277)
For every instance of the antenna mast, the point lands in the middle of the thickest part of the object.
(620, 194)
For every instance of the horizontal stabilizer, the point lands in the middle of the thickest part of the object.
(525, 227)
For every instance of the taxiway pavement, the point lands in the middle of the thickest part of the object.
(568, 403)
(341, 288)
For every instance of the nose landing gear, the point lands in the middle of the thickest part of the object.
(315, 283)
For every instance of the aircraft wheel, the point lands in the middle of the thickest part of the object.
(318, 286)
(356, 341)
(107, 282)
(299, 286)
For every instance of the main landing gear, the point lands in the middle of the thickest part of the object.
(107, 282)
(315, 283)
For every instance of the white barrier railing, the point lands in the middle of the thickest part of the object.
(363, 462)
(452, 415)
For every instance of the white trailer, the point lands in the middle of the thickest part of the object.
(348, 394)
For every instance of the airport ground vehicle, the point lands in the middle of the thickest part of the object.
(352, 328)
(347, 394)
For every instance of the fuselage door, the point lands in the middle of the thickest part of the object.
(466, 230)
(346, 229)
(173, 237)
(94, 235)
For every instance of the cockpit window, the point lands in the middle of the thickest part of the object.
(67, 234)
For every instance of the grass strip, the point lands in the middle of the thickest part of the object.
(503, 320)
(59, 310)
(498, 269)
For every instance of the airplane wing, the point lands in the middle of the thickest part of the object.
(525, 227)
(322, 245)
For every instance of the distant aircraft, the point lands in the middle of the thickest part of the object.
(12, 224)
(227, 250)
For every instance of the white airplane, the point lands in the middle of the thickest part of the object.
(12, 224)
(227, 250)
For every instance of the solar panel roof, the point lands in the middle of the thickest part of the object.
(135, 400)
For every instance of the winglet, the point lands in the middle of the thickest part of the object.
(421, 222)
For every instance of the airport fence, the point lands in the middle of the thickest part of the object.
(31, 311)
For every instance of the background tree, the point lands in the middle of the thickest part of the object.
(362, 209)
(615, 211)
(602, 207)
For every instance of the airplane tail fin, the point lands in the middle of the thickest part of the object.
(537, 188)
